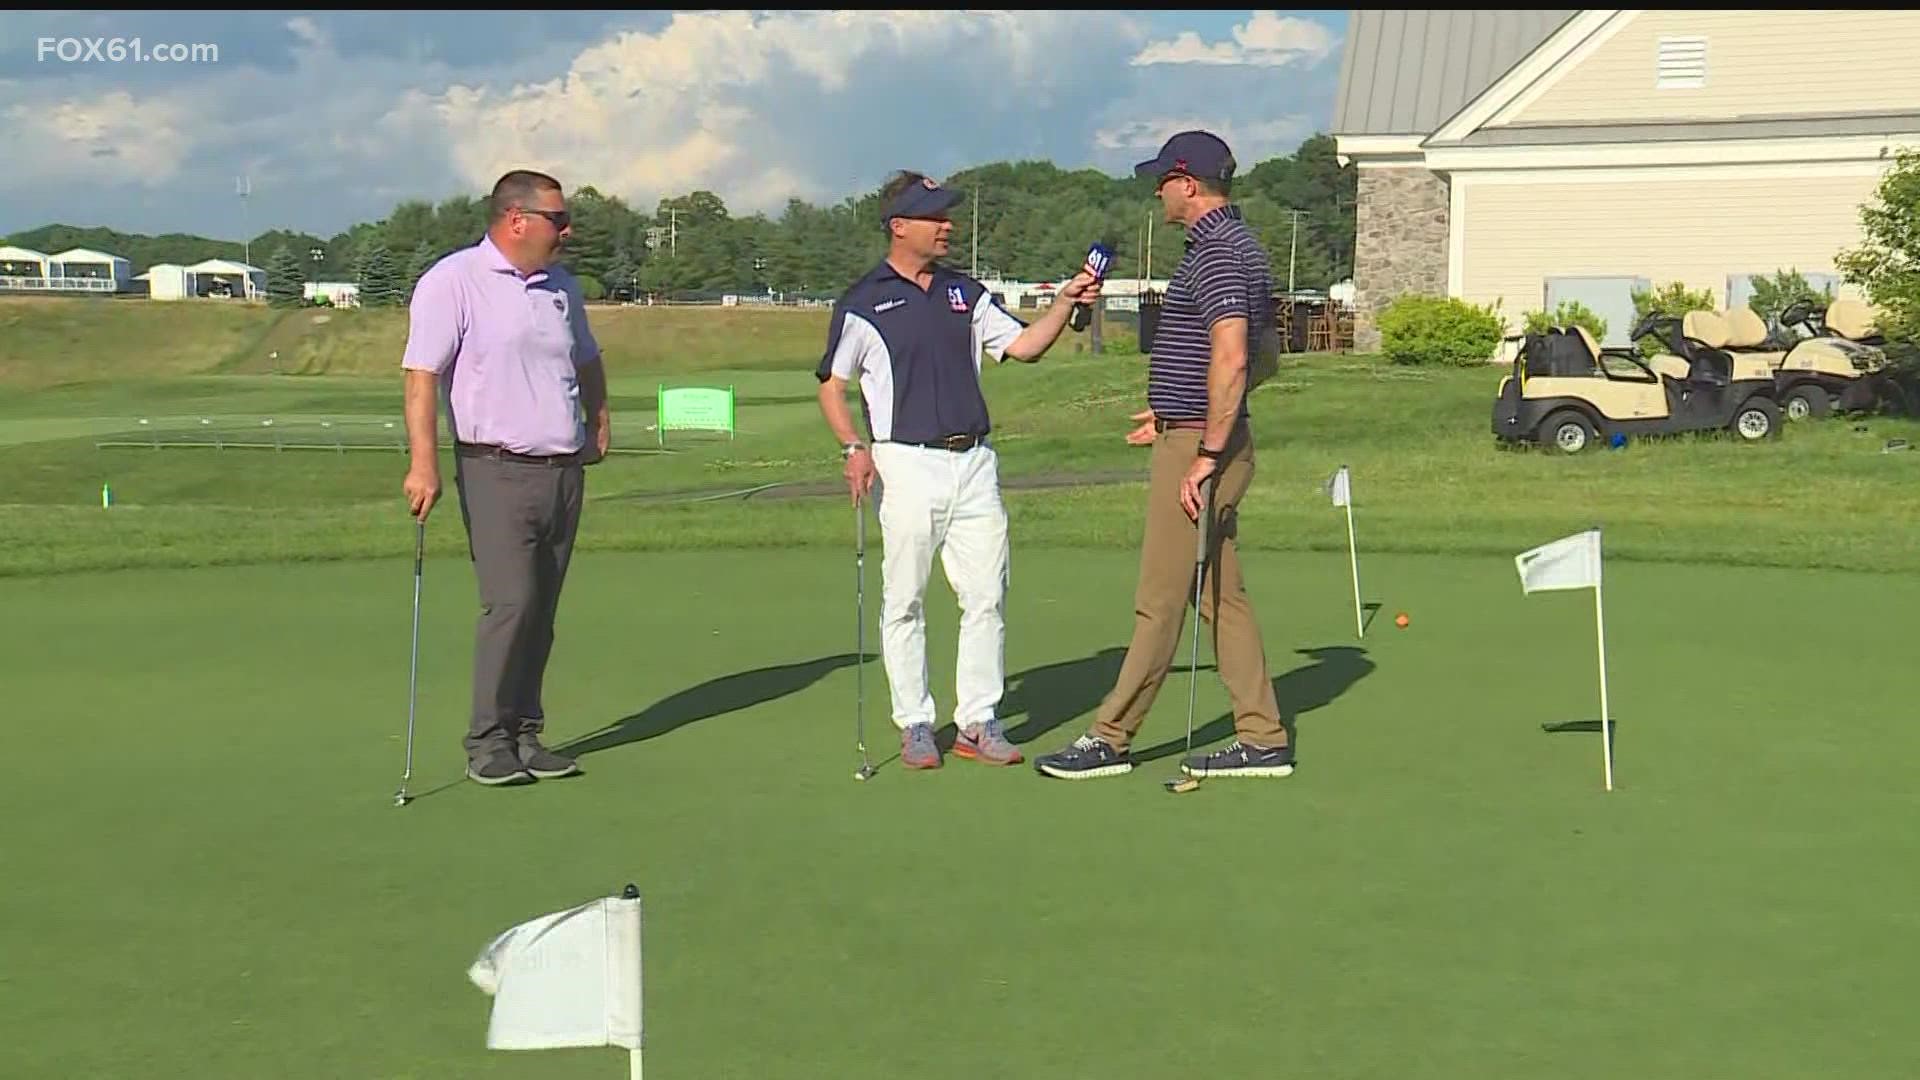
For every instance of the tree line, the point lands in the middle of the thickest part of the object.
(1036, 221)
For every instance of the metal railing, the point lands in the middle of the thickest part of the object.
(41, 284)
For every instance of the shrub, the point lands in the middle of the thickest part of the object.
(1439, 330)
(1569, 313)
(591, 289)
(1673, 299)
(1773, 295)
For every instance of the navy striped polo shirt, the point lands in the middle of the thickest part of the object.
(1223, 273)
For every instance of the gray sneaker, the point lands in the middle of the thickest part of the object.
(917, 748)
(544, 763)
(498, 769)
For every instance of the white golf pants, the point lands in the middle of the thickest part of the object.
(930, 500)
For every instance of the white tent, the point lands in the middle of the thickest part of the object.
(22, 268)
(84, 268)
(250, 280)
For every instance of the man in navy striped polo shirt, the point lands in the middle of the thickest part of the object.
(1217, 324)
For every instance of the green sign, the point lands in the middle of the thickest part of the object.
(695, 408)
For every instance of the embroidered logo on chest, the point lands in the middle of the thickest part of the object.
(956, 299)
(885, 306)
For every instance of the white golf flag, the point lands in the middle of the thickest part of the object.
(1341, 487)
(566, 979)
(1573, 562)
(1569, 563)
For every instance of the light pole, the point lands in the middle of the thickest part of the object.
(1294, 247)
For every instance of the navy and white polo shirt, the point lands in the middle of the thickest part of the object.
(1224, 273)
(917, 354)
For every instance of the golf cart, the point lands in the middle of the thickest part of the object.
(1565, 391)
(1840, 364)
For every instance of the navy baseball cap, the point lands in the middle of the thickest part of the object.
(923, 199)
(1199, 154)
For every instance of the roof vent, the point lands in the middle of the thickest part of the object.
(1682, 64)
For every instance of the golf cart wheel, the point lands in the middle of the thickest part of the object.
(1756, 419)
(1566, 431)
(1807, 403)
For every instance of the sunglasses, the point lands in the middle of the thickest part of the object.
(560, 218)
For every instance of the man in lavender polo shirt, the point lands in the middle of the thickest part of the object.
(505, 330)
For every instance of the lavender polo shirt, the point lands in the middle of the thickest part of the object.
(507, 349)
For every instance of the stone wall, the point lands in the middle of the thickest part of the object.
(1400, 244)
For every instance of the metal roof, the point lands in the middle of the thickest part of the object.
(1408, 72)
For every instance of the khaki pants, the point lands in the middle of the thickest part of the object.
(1166, 588)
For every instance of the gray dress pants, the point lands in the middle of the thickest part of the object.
(521, 518)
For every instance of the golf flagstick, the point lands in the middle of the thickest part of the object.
(1606, 727)
(1341, 488)
(1573, 562)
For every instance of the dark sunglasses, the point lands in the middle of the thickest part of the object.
(560, 218)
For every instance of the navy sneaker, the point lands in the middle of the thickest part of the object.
(1088, 757)
(1238, 759)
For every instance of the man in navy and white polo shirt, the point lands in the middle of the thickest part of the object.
(911, 332)
(1217, 325)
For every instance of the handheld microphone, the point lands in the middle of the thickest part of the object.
(1099, 257)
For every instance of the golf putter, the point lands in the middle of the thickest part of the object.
(1182, 784)
(401, 797)
(860, 637)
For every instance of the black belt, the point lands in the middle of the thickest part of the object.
(488, 450)
(955, 443)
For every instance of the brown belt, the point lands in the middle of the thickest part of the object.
(1183, 425)
(487, 450)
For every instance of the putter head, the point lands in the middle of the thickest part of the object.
(1180, 785)
(401, 798)
(864, 772)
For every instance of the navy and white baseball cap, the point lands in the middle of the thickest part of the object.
(1200, 154)
(920, 200)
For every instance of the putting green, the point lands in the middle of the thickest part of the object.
(204, 848)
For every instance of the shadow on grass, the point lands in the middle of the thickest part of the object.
(715, 697)
(1054, 694)
(1333, 671)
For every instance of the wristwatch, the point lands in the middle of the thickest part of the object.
(847, 450)
(1214, 454)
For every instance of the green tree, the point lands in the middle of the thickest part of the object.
(1886, 264)
(379, 279)
(419, 262)
(284, 280)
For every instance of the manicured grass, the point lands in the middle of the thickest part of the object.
(1427, 475)
(206, 850)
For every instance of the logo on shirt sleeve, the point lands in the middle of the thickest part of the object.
(956, 299)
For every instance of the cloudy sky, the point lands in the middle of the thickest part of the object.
(335, 117)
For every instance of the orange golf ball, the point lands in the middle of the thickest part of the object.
(1401, 620)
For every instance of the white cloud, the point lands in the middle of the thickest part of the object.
(727, 100)
(308, 32)
(1269, 39)
(337, 118)
(113, 137)
(1250, 140)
